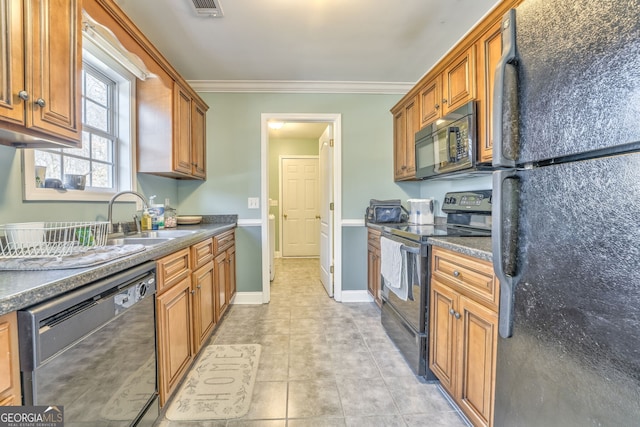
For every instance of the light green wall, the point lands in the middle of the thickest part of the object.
(280, 147)
(233, 162)
(14, 209)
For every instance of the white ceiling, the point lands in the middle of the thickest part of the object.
(338, 41)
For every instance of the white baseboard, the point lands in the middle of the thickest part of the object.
(247, 298)
(356, 296)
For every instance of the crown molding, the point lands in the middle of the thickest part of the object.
(290, 86)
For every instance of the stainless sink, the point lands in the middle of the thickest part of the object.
(147, 241)
(149, 238)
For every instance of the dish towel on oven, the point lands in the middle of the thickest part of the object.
(393, 267)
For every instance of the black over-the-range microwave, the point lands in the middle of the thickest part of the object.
(448, 145)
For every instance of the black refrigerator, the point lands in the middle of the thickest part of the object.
(566, 214)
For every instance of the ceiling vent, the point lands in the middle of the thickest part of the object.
(209, 8)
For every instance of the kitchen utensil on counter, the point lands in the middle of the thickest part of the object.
(41, 176)
(75, 181)
(189, 220)
(421, 211)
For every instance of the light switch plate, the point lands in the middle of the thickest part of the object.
(254, 203)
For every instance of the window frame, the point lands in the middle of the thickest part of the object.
(125, 170)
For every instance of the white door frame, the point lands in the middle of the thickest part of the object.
(336, 121)
(280, 191)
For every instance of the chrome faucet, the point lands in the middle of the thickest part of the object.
(145, 205)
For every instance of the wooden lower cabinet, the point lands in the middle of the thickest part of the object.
(10, 394)
(204, 312)
(464, 332)
(194, 290)
(225, 269)
(373, 265)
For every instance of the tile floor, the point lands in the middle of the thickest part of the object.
(324, 363)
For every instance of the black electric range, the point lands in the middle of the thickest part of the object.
(468, 215)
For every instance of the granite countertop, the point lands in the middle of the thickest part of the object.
(20, 289)
(478, 247)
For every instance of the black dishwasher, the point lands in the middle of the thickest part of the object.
(93, 351)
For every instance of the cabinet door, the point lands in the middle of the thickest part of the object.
(231, 273)
(174, 335)
(443, 335)
(12, 62)
(477, 350)
(182, 130)
(198, 141)
(220, 266)
(371, 265)
(412, 116)
(204, 312)
(489, 52)
(54, 67)
(399, 146)
(430, 99)
(459, 82)
(9, 369)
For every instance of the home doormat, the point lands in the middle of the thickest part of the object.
(219, 386)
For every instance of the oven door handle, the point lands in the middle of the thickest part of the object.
(411, 249)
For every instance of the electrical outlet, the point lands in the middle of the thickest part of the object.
(254, 203)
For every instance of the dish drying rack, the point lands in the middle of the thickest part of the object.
(51, 239)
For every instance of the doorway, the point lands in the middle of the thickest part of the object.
(331, 238)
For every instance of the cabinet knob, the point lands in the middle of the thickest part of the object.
(40, 102)
(285, 216)
(444, 101)
(317, 216)
(452, 312)
(456, 273)
(198, 286)
(437, 106)
(193, 292)
(457, 315)
(23, 95)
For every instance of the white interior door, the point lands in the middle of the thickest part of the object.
(326, 213)
(300, 211)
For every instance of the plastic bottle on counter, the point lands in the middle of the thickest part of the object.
(145, 222)
(157, 212)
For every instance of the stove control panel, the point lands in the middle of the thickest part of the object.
(467, 201)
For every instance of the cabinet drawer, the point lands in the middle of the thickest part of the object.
(171, 269)
(374, 238)
(202, 253)
(223, 241)
(471, 276)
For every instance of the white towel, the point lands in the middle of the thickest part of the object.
(393, 267)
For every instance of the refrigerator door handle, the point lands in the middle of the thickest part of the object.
(504, 242)
(505, 97)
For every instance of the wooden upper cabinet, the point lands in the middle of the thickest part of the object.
(41, 72)
(406, 124)
(171, 130)
(459, 81)
(489, 51)
(198, 139)
(430, 101)
(182, 130)
(450, 89)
